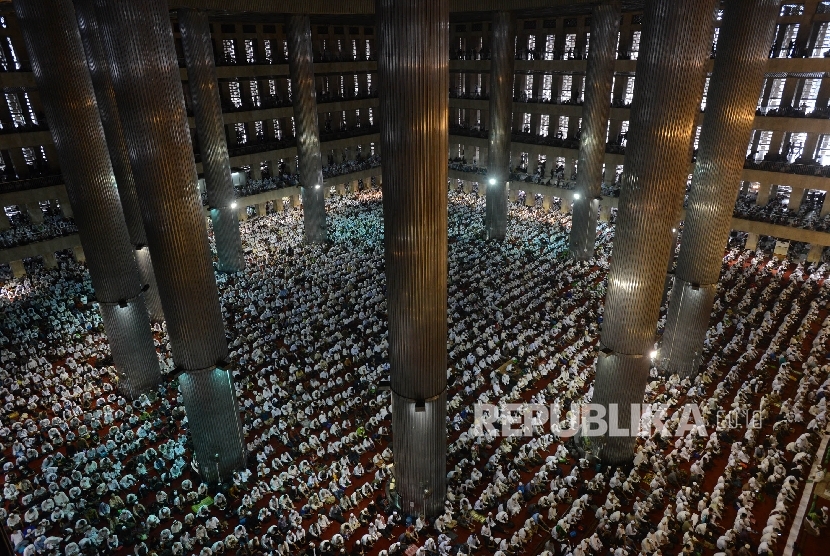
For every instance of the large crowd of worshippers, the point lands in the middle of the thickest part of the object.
(777, 211)
(86, 471)
(23, 230)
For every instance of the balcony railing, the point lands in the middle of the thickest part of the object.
(14, 184)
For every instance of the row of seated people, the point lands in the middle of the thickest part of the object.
(87, 471)
(23, 230)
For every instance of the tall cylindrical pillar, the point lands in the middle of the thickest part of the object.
(142, 58)
(502, 60)
(60, 69)
(414, 112)
(746, 35)
(670, 75)
(108, 109)
(605, 24)
(210, 128)
(304, 95)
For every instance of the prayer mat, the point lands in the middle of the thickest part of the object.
(207, 501)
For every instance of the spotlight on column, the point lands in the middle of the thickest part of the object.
(317, 186)
(233, 205)
(653, 354)
(492, 181)
(674, 230)
(576, 196)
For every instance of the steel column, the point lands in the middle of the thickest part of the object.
(210, 128)
(63, 80)
(114, 133)
(142, 58)
(605, 24)
(670, 75)
(304, 95)
(746, 35)
(502, 61)
(413, 80)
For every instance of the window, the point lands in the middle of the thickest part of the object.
(528, 86)
(775, 93)
(255, 94)
(354, 49)
(372, 147)
(293, 127)
(792, 9)
(250, 54)
(570, 46)
(13, 54)
(272, 88)
(809, 94)
(763, 145)
(369, 83)
(241, 133)
(372, 122)
(624, 133)
(236, 97)
(368, 50)
(565, 93)
(549, 47)
(705, 93)
(228, 51)
(544, 124)
(285, 49)
(288, 82)
(33, 116)
(342, 87)
(547, 86)
(259, 130)
(269, 55)
(526, 123)
(715, 41)
(15, 110)
(787, 48)
(357, 117)
(562, 132)
(796, 146)
(822, 44)
(629, 91)
(3, 63)
(29, 156)
(823, 151)
(588, 43)
(635, 45)
(697, 137)
(356, 86)
(277, 129)
(531, 43)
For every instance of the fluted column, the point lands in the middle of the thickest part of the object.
(304, 95)
(746, 35)
(667, 94)
(413, 72)
(605, 24)
(54, 47)
(108, 109)
(502, 60)
(151, 105)
(210, 128)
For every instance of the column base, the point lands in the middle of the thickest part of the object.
(584, 228)
(314, 214)
(686, 324)
(620, 382)
(214, 423)
(228, 240)
(148, 279)
(419, 444)
(131, 344)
